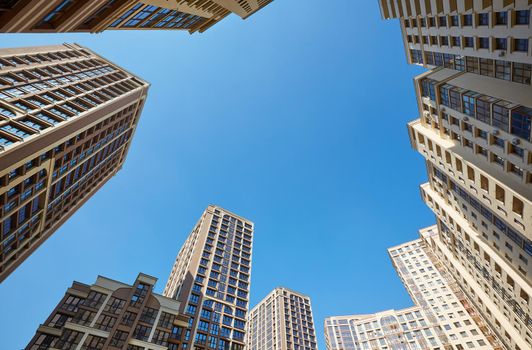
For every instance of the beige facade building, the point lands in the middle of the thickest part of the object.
(211, 280)
(95, 16)
(282, 321)
(490, 38)
(109, 315)
(442, 317)
(67, 118)
(474, 131)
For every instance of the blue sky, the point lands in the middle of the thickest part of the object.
(294, 118)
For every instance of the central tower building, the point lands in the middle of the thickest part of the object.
(211, 278)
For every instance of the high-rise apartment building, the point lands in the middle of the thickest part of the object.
(109, 315)
(211, 279)
(95, 16)
(282, 321)
(67, 117)
(490, 38)
(474, 131)
(442, 318)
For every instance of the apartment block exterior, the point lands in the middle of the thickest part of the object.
(95, 16)
(494, 34)
(211, 280)
(67, 118)
(112, 315)
(474, 132)
(282, 321)
(442, 317)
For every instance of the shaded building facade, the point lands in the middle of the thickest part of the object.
(211, 280)
(67, 118)
(58, 16)
(282, 321)
(112, 315)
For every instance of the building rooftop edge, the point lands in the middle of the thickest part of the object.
(230, 212)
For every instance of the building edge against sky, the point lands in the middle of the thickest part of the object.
(211, 279)
(95, 16)
(111, 314)
(67, 118)
(474, 132)
(442, 317)
(283, 320)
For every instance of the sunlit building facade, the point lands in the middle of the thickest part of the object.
(475, 132)
(67, 118)
(211, 279)
(282, 321)
(442, 317)
(489, 38)
(109, 315)
(59, 16)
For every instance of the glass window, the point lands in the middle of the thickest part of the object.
(522, 17)
(126, 15)
(521, 122)
(459, 63)
(14, 131)
(521, 45)
(468, 100)
(483, 19)
(501, 115)
(501, 18)
(501, 43)
(438, 59)
(484, 43)
(427, 87)
(487, 67)
(484, 108)
(521, 73)
(467, 20)
(448, 60)
(455, 99)
(503, 69)
(142, 15)
(454, 21)
(7, 113)
(472, 65)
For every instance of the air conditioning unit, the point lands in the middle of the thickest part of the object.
(502, 53)
(516, 141)
(495, 132)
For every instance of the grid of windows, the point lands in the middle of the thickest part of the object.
(40, 91)
(504, 114)
(110, 309)
(218, 299)
(282, 320)
(506, 70)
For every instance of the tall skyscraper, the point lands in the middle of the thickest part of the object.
(474, 131)
(67, 117)
(112, 315)
(282, 321)
(211, 278)
(442, 317)
(95, 16)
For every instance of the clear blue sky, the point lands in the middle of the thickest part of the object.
(294, 118)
